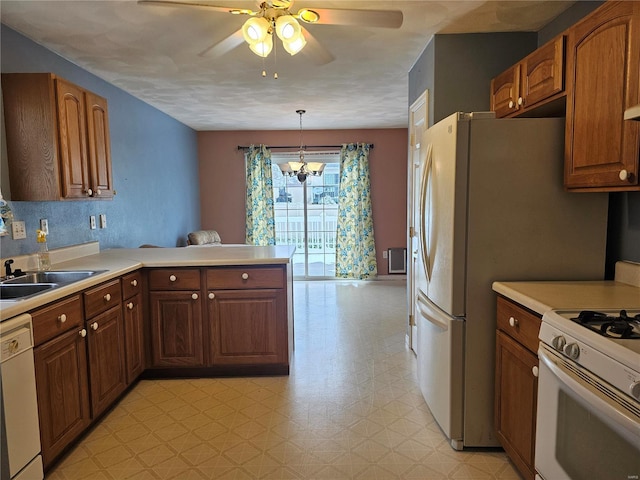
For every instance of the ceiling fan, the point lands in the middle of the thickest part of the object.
(276, 17)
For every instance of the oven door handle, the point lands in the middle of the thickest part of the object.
(620, 419)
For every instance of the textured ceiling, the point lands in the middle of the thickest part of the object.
(153, 52)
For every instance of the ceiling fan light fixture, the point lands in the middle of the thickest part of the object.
(287, 27)
(263, 48)
(308, 16)
(294, 45)
(255, 30)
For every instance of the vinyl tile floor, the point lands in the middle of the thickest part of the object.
(350, 409)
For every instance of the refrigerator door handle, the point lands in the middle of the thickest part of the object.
(424, 239)
(429, 314)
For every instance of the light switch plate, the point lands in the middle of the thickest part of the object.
(18, 230)
(103, 220)
(92, 222)
(44, 225)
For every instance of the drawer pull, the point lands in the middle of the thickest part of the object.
(513, 321)
(130, 305)
(94, 326)
(107, 297)
(173, 278)
(62, 318)
(245, 276)
(534, 370)
(194, 296)
(82, 333)
(134, 283)
(212, 296)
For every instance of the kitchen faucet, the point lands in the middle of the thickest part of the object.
(7, 268)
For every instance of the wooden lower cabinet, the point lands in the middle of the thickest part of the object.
(106, 358)
(246, 327)
(133, 337)
(63, 391)
(176, 329)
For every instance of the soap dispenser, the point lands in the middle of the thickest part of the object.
(44, 263)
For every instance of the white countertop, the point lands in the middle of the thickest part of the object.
(120, 261)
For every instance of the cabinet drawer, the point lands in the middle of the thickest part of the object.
(57, 318)
(101, 298)
(242, 278)
(519, 323)
(174, 279)
(131, 285)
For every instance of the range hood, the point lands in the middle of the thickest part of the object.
(632, 113)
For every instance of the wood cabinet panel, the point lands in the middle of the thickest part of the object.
(102, 298)
(99, 145)
(57, 318)
(516, 402)
(603, 54)
(174, 279)
(106, 359)
(245, 277)
(134, 337)
(543, 72)
(63, 392)
(505, 90)
(176, 329)
(131, 285)
(522, 325)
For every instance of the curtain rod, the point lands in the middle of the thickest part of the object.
(244, 147)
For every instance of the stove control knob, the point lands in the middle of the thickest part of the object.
(634, 390)
(572, 350)
(558, 342)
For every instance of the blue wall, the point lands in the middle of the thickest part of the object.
(155, 168)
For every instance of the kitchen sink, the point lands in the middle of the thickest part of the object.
(61, 277)
(19, 292)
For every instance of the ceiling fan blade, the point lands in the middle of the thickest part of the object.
(203, 5)
(224, 46)
(363, 18)
(314, 50)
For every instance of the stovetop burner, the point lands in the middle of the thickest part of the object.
(622, 326)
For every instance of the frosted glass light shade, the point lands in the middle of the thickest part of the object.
(315, 167)
(294, 45)
(287, 27)
(263, 48)
(255, 30)
(296, 166)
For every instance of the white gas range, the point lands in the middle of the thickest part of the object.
(589, 395)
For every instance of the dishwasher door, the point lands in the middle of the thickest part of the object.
(19, 402)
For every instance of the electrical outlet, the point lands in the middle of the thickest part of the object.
(103, 220)
(385, 254)
(19, 231)
(92, 222)
(44, 225)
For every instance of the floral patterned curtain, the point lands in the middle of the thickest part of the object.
(260, 224)
(355, 246)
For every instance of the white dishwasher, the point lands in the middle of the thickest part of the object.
(20, 429)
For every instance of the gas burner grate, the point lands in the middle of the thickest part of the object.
(622, 326)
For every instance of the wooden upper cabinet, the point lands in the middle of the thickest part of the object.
(58, 144)
(535, 80)
(603, 54)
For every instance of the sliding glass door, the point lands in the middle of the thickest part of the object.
(306, 215)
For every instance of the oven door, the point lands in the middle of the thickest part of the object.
(585, 429)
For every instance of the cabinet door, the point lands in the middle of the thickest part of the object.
(99, 144)
(505, 91)
(106, 359)
(543, 72)
(133, 337)
(247, 327)
(176, 329)
(603, 53)
(63, 392)
(516, 401)
(74, 164)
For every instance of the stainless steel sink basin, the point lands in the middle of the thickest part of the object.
(62, 277)
(19, 292)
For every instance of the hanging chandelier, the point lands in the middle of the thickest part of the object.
(258, 31)
(301, 169)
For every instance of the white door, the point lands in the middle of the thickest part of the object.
(418, 116)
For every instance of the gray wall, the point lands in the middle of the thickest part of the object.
(155, 168)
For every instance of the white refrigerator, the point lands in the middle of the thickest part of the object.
(493, 208)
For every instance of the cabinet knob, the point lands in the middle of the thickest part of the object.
(134, 283)
(245, 276)
(94, 326)
(513, 321)
(130, 305)
(212, 295)
(173, 278)
(534, 370)
(62, 318)
(89, 192)
(511, 104)
(624, 175)
(520, 101)
(194, 296)
(107, 297)
(97, 192)
(82, 333)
